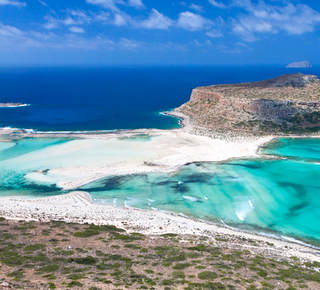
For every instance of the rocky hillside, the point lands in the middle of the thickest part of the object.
(288, 104)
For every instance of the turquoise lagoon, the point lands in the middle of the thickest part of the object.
(278, 194)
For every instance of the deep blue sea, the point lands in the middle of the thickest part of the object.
(108, 98)
(275, 196)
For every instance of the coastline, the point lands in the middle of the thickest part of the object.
(77, 207)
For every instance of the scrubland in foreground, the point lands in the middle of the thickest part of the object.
(59, 255)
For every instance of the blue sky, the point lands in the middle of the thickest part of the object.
(108, 32)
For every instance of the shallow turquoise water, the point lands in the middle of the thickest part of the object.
(14, 166)
(298, 148)
(279, 196)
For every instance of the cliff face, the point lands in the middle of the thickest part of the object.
(288, 104)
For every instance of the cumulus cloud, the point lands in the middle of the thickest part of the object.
(156, 20)
(13, 3)
(266, 18)
(190, 21)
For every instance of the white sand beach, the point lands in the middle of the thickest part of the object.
(92, 157)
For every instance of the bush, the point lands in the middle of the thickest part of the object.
(49, 268)
(207, 275)
(74, 283)
(84, 261)
(86, 233)
(36, 247)
(180, 266)
(214, 286)
(178, 274)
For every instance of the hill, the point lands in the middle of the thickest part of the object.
(285, 104)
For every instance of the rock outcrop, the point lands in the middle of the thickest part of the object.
(287, 104)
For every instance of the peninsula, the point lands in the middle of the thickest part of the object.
(286, 104)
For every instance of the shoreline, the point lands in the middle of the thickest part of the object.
(77, 207)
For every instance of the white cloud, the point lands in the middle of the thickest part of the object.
(217, 4)
(74, 18)
(135, 3)
(6, 30)
(190, 21)
(76, 29)
(214, 33)
(120, 20)
(13, 3)
(111, 4)
(266, 18)
(129, 44)
(196, 7)
(43, 3)
(156, 20)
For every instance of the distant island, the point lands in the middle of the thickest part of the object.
(285, 104)
(301, 64)
(12, 105)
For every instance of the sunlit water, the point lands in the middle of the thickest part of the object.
(272, 195)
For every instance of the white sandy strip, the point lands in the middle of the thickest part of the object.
(166, 152)
(77, 207)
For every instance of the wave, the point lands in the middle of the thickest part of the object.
(191, 198)
(292, 240)
(242, 208)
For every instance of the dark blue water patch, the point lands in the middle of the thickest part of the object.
(180, 188)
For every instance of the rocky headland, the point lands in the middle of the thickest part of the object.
(288, 104)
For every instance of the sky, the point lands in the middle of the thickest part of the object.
(162, 32)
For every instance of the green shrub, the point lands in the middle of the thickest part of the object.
(167, 282)
(48, 268)
(86, 233)
(180, 266)
(214, 286)
(76, 276)
(84, 261)
(207, 275)
(178, 274)
(17, 275)
(51, 286)
(74, 284)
